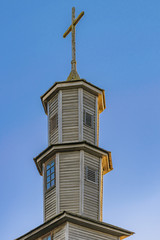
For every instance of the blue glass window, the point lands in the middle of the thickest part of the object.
(50, 175)
(47, 238)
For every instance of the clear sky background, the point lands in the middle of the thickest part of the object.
(118, 49)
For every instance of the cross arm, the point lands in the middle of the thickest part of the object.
(74, 23)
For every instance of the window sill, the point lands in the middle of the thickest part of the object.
(48, 190)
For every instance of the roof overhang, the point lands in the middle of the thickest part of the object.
(76, 219)
(82, 83)
(75, 146)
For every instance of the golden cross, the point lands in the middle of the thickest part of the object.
(72, 29)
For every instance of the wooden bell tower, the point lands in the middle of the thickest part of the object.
(73, 164)
(76, 183)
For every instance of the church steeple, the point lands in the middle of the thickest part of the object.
(73, 164)
(73, 74)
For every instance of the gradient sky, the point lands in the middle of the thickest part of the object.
(118, 49)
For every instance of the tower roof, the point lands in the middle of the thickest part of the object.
(82, 83)
(79, 220)
(52, 149)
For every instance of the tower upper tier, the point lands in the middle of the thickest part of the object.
(73, 109)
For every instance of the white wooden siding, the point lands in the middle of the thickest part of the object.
(69, 181)
(101, 191)
(53, 109)
(81, 182)
(59, 233)
(60, 116)
(57, 183)
(50, 204)
(98, 120)
(77, 232)
(101, 199)
(70, 124)
(89, 104)
(91, 190)
(80, 108)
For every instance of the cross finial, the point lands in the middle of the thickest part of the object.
(73, 74)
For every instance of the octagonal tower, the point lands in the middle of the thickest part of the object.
(73, 165)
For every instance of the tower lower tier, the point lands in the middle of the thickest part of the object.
(73, 179)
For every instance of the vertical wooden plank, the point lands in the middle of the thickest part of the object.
(48, 124)
(67, 232)
(70, 117)
(59, 233)
(44, 192)
(81, 182)
(100, 190)
(80, 108)
(89, 105)
(101, 194)
(57, 183)
(91, 189)
(96, 116)
(50, 204)
(69, 181)
(53, 110)
(60, 116)
(98, 128)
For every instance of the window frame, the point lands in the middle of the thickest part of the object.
(45, 174)
(47, 236)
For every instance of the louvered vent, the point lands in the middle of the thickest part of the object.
(91, 175)
(54, 122)
(88, 119)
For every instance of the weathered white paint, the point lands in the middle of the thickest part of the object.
(65, 85)
(81, 182)
(96, 121)
(48, 124)
(80, 108)
(98, 128)
(89, 105)
(77, 232)
(70, 118)
(57, 183)
(91, 189)
(53, 109)
(49, 199)
(43, 166)
(69, 147)
(69, 181)
(50, 203)
(60, 116)
(100, 190)
(59, 233)
(67, 231)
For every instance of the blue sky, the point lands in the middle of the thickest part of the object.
(117, 50)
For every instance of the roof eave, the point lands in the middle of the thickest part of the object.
(75, 83)
(53, 149)
(76, 219)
